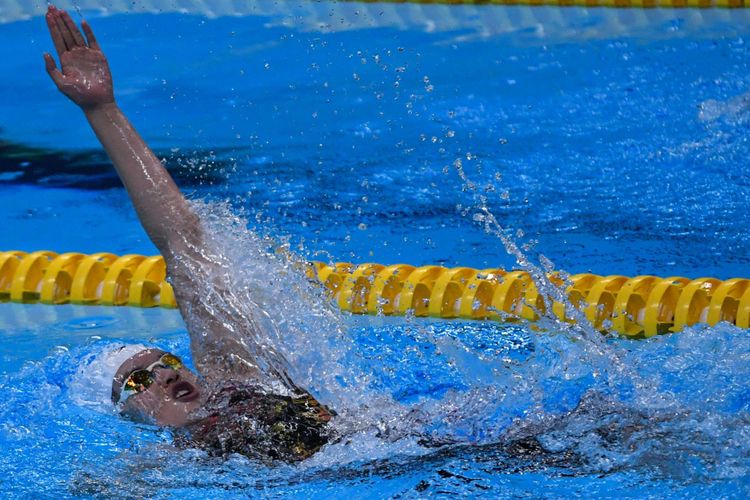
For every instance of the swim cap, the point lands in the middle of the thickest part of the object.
(91, 385)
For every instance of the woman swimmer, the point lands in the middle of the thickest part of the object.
(230, 408)
(243, 401)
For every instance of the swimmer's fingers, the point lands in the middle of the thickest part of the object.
(90, 36)
(54, 31)
(74, 33)
(65, 34)
(52, 70)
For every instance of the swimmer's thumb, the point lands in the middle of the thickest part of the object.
(52, 70)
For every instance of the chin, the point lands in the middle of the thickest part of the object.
(180, 414)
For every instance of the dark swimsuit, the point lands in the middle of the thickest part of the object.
(261, 426)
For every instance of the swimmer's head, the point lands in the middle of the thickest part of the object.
(91, 384)
(152, 385)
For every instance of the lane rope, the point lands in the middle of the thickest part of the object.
(11, 10)
(635, 4)
(638, 307)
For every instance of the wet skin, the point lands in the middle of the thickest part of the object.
(85, 77)
(173, 399)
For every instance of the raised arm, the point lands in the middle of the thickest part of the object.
(224, 345)
(85, 79)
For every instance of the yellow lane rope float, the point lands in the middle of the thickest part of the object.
(641, 306)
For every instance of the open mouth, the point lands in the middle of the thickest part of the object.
(184, 392)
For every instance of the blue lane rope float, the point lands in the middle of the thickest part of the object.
(637, 307)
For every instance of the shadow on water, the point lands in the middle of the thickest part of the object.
(92, 170)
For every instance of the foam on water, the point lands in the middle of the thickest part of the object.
(267, 281)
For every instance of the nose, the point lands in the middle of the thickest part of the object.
(165, 376)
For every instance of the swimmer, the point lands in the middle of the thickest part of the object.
(229, 406)
(242, 400)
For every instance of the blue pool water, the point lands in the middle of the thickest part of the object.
(611, 143)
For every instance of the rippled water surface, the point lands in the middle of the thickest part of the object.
(614, 153)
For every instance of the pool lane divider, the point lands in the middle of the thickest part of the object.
(636, 307)
(632, 4)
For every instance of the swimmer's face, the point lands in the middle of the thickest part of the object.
(170, 396)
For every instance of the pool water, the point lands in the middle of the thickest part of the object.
(615, 151)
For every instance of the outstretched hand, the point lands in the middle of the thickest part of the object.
(85, 76)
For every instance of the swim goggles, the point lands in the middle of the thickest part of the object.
(141, 379)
